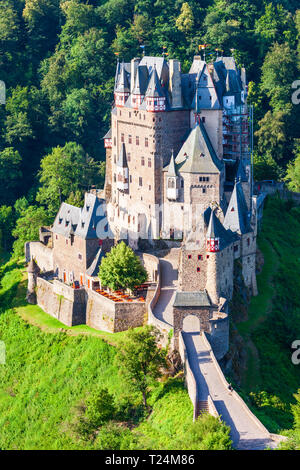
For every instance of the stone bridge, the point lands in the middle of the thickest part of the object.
(207, 386)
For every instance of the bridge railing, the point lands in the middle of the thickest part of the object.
(152, 320)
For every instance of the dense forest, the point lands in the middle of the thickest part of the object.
(58, 57)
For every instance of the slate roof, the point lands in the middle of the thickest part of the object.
(171, 170)
(93, 269)
(154, 88)
(215, 229)
(122, 160)
(122, 85)
(236, 218)
(197, 154)
(81, 222)
(241, 172)
(192, 299)
(141, 80)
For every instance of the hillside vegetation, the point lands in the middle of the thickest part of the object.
(49, 375)
(270, 379)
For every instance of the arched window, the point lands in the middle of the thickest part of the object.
(171, 183)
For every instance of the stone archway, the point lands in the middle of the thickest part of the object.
(191, 324)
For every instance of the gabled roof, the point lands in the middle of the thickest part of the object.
(192, 299)
(154, 89)
(236, 218)
(82, 222)
(122, 160)
(123, 85)
(205, 96)
(197, 154)
(156, 62)
(215, 229)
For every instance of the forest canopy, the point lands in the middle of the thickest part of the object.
(58, 58)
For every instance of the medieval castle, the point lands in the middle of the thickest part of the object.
(178, 169)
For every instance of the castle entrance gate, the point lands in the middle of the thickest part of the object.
(191, 324)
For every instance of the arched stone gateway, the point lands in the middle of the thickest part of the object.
(191, 324)
(191, 311)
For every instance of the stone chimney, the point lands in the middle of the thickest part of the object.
(133, 66)
(175, 83)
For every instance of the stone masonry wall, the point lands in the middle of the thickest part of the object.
(41, 254)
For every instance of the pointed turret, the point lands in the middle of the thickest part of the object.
(155, 98)
(122, 170)
(237, 215)
(212, 236)
(172, 183)
(122, 89)
(138, 92)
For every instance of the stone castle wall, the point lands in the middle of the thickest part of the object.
(41, 254)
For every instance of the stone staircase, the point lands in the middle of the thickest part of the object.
(202, 407)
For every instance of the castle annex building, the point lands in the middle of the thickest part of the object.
(177, 169)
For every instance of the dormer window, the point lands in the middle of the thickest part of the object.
(87, 208)
(60, 220)
(82, 224)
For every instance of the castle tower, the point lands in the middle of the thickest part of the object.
(212, 256)
(33, 271)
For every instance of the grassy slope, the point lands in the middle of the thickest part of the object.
(270, 378)
(47, 374)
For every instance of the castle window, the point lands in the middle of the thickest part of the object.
(66, 242)
(128, 157)
(204, 190)
(115, 142)
(82, 224)
(146, 142)
(171, 183)
(232, 209)
(130, 115)
(203, 119)
(207, 256)
(235, 248)
(140, 181)
(130, 178)
(115, 159)
(137, 140)
(149, 187)
(56, 237)
(115, 178)
(248, 241)
(80, 256)
(182, 183)
(149, 163)
(122, 137)
(200, 178)
(143, 161)
(130, 139)
(200, 257)
(198, 270)
(189, 256)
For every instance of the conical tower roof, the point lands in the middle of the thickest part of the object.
(122, 160)
(122, 83)
(154, 88)
(236, 218)
(212, 229)
(171, 168)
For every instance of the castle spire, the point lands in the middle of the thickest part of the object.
(212, 236)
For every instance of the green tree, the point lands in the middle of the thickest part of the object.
(278, 74)
(27, 227)
(265, 168)
(10, 174)
(7, 221)
(100, 408)
(272, 135)
(141, 360)
(122, 269)
(293, 173)
(185, 20)
(63, 171)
